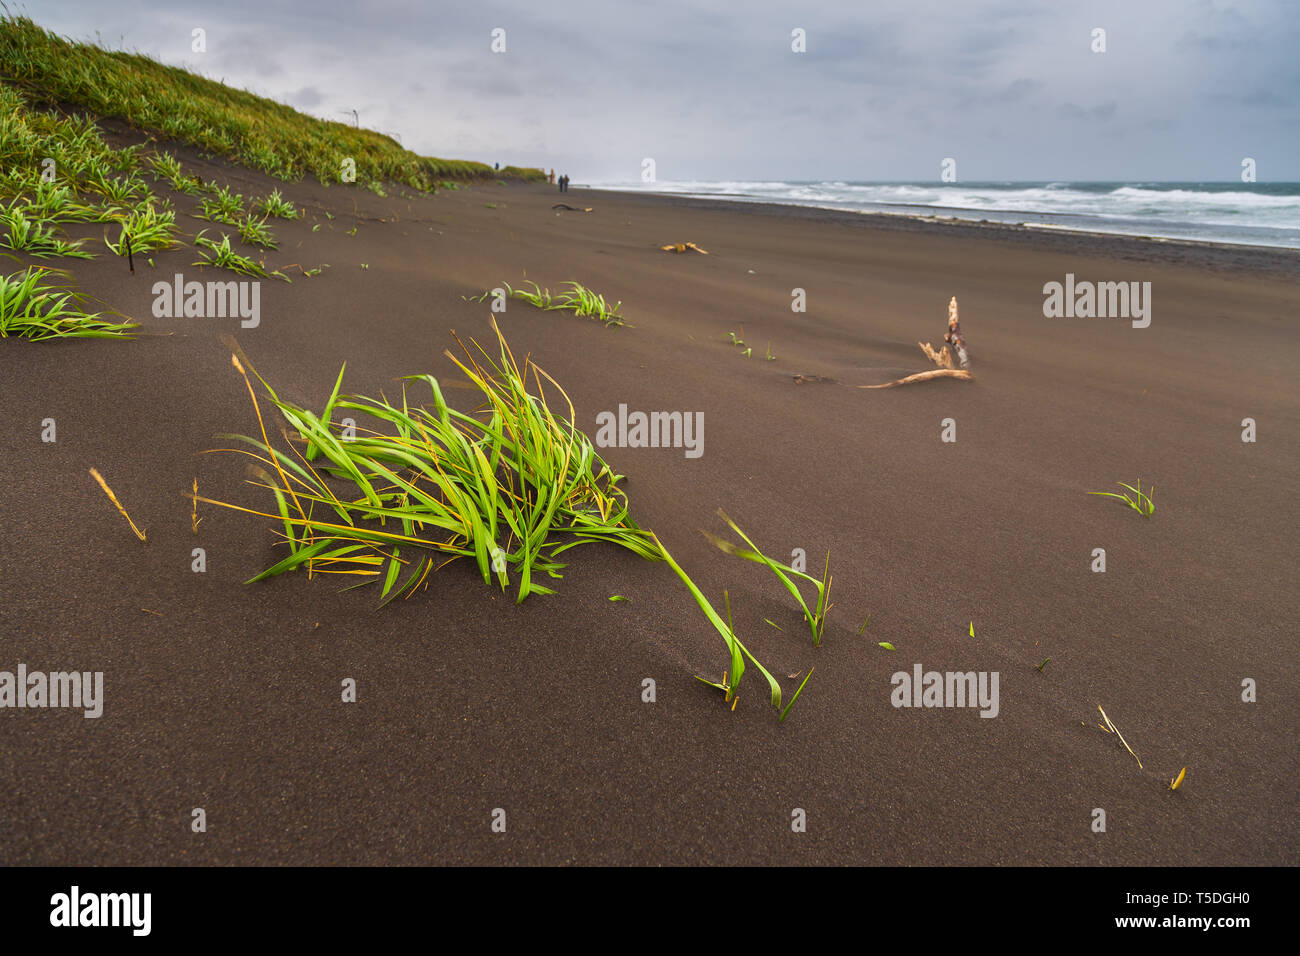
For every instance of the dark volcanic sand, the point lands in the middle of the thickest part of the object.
(228, 697)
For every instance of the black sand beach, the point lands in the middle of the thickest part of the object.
(226, 696)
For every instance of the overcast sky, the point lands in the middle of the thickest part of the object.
(712, 90)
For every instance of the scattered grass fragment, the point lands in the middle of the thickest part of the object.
(94, 473)
(1115, 730)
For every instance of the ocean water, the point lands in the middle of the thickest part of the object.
(1263, 214)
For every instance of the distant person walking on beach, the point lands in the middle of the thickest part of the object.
(564, 184)
(551, 178)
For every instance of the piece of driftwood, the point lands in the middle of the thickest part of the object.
(940, 358)
(943, 358)
(808, 379)
(957, 373)
(954, 337)
(565, 205)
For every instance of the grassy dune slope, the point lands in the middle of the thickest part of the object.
(248, 129)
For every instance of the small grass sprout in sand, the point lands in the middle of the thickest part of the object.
(223, 205)
(730, 683)
(255, 232)
(147, 228)
(1139, 501)
(276, 205)
(32, 309)
(816, 618)
(168, 167)
(122, 190)
(223, 256)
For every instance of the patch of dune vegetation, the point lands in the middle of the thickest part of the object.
(236, 124)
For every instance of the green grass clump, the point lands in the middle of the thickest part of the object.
(148, 228)
(34, 237)
(223, 205)
(120, 190)
(221, 255)
(211, 116)
(255, 232)
(168, 167)
(1139, 501)
(579, 300)
(32, 309)
(57, 203)
(276, 205)
(413, 488)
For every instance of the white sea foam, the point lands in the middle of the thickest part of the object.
(1255, 214)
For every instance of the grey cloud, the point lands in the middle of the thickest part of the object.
(883, 88)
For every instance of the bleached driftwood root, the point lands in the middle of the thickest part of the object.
(954, 337)
(943, 358)
(957, 373)
(940, 358)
